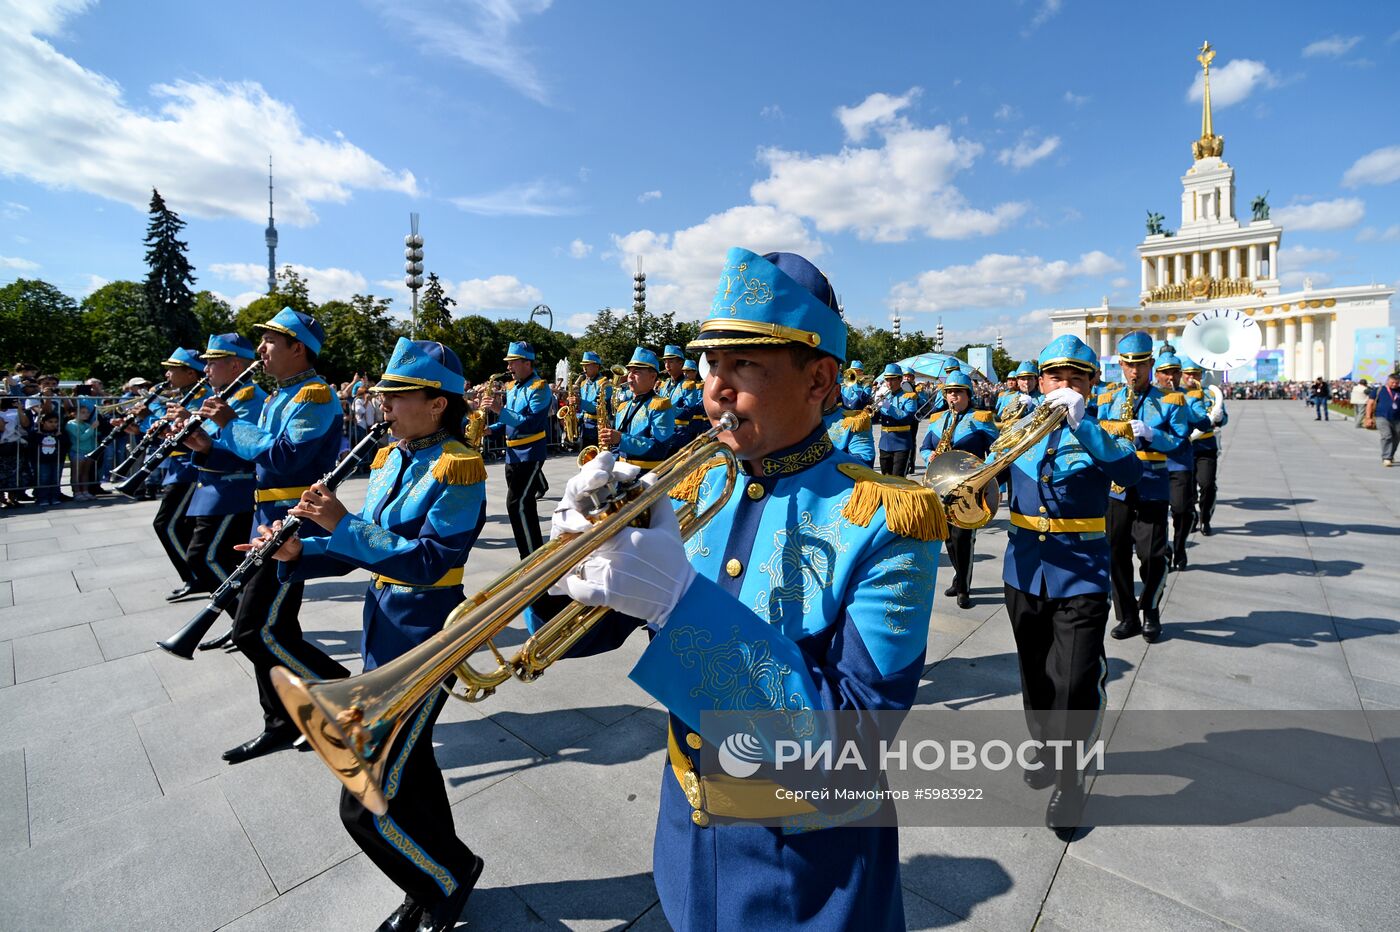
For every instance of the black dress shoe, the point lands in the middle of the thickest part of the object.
(446, 914)
(1127, 628)
(265, 743)
(951, 591)
(1205, 528)
(1180, 561)
(1065, 809)
(964, 601)
(187, 589)
(222, 640)
(1043, 777)
(404, 919)
(1151, 627)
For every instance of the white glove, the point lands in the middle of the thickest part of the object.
(585, 492)
(1071, 401)
(1141, 431)
(1217, 416)
(639, 572)
(1027, 400)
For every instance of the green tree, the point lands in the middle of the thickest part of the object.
(123, 341)
(168, 284)
(613, 335)
(41, 325)
(435, 313)
(214, 315)
(550, 345)
(479, 345)
(360, 335)
(291, 292)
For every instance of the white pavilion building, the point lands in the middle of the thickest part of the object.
(1215, 260)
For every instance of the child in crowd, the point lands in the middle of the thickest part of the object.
(82, 439)
(49, 446)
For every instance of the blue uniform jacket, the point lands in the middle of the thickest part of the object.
(525, 419)
(1065, 477)
(178, 466)
(294, 443)
(1197, 418)
(1207, 442)
(850, 432)
(1006, 399)
(688, 403)
(974, 433)
(898, 418)
(855, 396)
(226, 482)
(648, 426)
(424, 508)
(1166, 415)
(589, 394)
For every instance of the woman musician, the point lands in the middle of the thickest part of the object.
(425, 506)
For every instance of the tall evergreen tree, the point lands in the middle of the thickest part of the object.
(435, 312)
(168, 291)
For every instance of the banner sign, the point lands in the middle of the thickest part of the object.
(1374, 355)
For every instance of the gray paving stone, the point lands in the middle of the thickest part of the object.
(7, 664)
(7, 594)
(185, 738)
(1088, 897)
(209, 672)
(51, 652)
(41, 532)
(46, 563)
(77, 701)
(157, 570)
(138, 632)
(14, 801)
(27, 523)
(73, 783)
(19, 621)
(179, 862)
(112, 536)
(919, 913)
(19, 549)
(29, 591)
(996, 877)
(475, 751)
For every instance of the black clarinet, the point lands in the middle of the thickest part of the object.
(184, 642)
(138, 452)
(138, 404)
(131, 485)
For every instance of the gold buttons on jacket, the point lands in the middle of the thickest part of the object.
(755, 491)
(1049, 451)
(1043, 509)
(1045, 477)
(694, 740)
(733, 567)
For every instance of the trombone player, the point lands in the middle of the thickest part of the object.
(1205, 447)
(851, 636)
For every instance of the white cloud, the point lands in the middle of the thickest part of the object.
(94, 282)
(578, 323)
(1120, 283)
(885, 193)
(772, 112)
(1371, 234)
(13, 211)
(877, 110)
(1233, 82)
(578, 249)
(1321, 215)
(683, 267)
(1299, 279)
(1047, 9)
(539, 198)
(1331, 47)
(19, 265)
(478, 32)
(205, 148)
(1006, 112)
(1303, 255)
(648, 196)
(1379, 167)
(995, 280)
(1076, 100)
(497, 292)
(323, 284)
(1024, 155)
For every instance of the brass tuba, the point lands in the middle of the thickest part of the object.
(352, 723)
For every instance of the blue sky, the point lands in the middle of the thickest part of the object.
(976, 162)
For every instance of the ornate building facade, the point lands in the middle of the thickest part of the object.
(1216, 260)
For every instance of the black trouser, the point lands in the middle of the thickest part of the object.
(174, 529)
(1183, 504)
(525, 485)
(211, 556)
(1059, 647)
(414, 843)
(1141, 527)
(588, 437)
(959, 544)
(268, 633)
(1206, 462)
(894, 462)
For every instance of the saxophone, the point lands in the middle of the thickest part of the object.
(568, 413)
(476, 421)
(1129, 403)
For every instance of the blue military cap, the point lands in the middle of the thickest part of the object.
(1028, 367)
(892, 370)
(1068, 350)
(643, 358)
(1189, 365)
(779, 299)
(185, 357)
(950, 366)
(520, 350)
(592, 357)
(672, 351)
(298, 326)
(690, 366)
(1168, 361)
(957, 380)
(422, 364)
(855, 364)
(229, 344)
(1135, 347)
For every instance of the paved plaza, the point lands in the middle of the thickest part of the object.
(117, 813)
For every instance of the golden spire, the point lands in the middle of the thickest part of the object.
(1209, 145)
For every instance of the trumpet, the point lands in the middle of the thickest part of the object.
(352, 723)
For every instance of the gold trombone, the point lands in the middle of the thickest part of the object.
(352, 723)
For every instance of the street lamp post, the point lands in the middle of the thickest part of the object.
(413, 268)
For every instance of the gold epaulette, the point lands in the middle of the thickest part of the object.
(692, 385)
(910, 395)
(313, 392)
(1196, 393)
(245, 393)
(986, 417)
(538, 383)
(660, 404)
(458, 465)
(1118, 428)
(1106, 398)
(688, 489)
(1175, 398)
(382, 456)
(858, 421)
(510, 385)
(910, 509)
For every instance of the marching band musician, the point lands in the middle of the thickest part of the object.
(424, 508)
(593, 390)
(1205, 448)
(693, 399)
(295, 441)
(959, 427)
(645, 424)
(174, 527)
(672, 361)
(849, 429)
(814, 579)
(222, 506)
(522, 412)
(1137, 516)
(1181, 467)
(1056, 569)
(855, 394)
(1025, 380)
(898, 417)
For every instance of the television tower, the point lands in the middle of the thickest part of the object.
(270, 235)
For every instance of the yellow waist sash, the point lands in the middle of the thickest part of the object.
(727, 797)
(644, 464)
(1047, 525)
(525, 441)
(453, 577)
(279, 495)
(1151, 456)
(896, 427)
